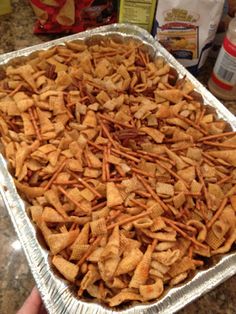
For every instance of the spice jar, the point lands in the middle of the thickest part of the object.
(223, 79)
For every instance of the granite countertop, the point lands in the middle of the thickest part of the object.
(16, 32)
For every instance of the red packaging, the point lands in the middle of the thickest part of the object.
(72, 16)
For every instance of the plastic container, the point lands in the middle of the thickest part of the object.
(187, 29)
(140, 13)
(222, 82)
(5, 7)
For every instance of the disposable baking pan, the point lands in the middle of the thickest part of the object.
(56, 293)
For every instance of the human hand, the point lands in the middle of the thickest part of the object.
(33, 304)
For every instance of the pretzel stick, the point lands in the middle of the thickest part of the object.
(197, 262)
(36, 129)
(138, 203)
(203, 211)
(219, 144)
(117, 214)
(87, 159)
(95, 145)
(154, 244)
(139, 171)
(120, 171)
(90, 250)
(129, 219)
(157, 156)
(102, 290)
(208, 156)
(84, 98)
(187, 96)
(125, 155)
(107, 54)
(218, 213)
(71, 199)
(180, 224)
(204, 187)
(116, 179)
(213, 159)
(104, 168)
(35, 113)
(153, 194)
(185, 235)
(70, 115)
(143, 194)
(172, 173)
(141, 57)
(214, 136)
(59, 169)
(146, 54)
(165, 179)
(148, 158)
(107, 150)
(12, 124)
(191, 193)
(200, 116)
(180, 214)
(12, 93)
(190, 252)
(84, 183)
(105, 117)
(104, 128)
(168, 85)
(198, 207)
(192, 123)
(99, 205)
(181, 148)
(225, 179)
(222, 174)
(210, 163)
(68, 182)
(73, 226)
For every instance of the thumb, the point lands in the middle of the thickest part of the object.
(32, 304)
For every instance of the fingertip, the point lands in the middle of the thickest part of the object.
(35, 295)
(32, 304)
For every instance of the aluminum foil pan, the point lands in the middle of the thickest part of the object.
(56, 294)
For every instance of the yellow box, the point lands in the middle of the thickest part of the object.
(139, 12)
(5, 7)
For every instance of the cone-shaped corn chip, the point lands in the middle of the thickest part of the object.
(58, 242)
(141, 272)
(67, 269)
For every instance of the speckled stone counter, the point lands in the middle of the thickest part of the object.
(16, 32)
